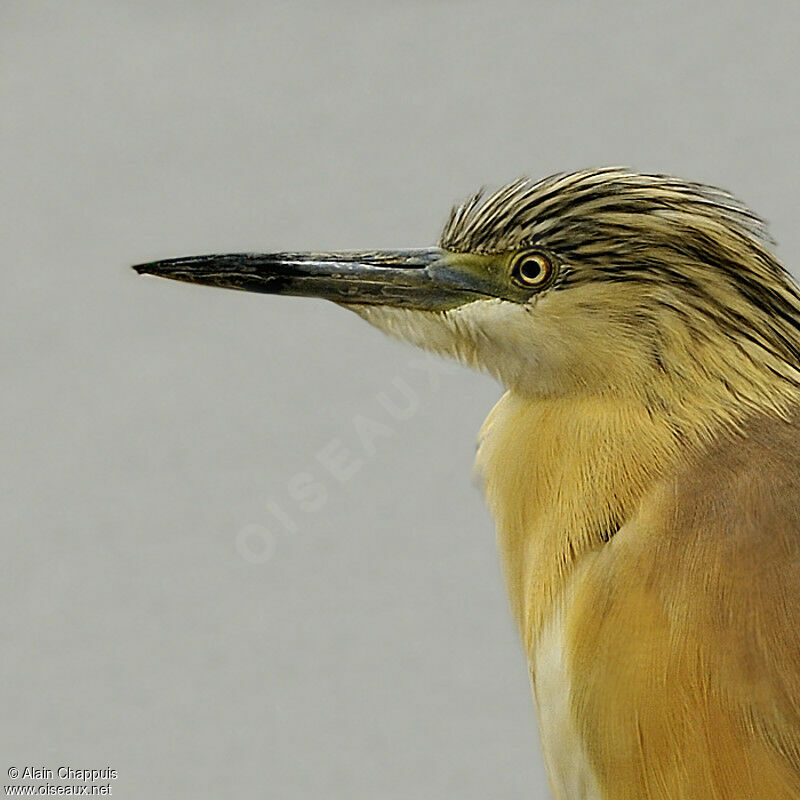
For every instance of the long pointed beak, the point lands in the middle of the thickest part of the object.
(417, 278)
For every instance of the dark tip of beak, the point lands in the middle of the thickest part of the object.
(165, 267)
(253, 272)
(191, 266)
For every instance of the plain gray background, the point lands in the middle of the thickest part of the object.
(169, 607)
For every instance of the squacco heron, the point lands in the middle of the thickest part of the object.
(642, 467)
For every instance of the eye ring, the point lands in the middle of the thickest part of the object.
(532, 269)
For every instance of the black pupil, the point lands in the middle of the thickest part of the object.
(531, 269)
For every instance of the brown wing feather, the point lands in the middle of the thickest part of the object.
(685, 633)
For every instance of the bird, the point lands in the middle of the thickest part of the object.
(642, 465)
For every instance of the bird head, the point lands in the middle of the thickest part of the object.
(595, 282)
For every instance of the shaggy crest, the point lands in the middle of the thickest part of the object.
(558, 209)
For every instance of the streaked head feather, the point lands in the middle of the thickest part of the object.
(556, 210)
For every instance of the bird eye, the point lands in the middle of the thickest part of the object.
(532, 270)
